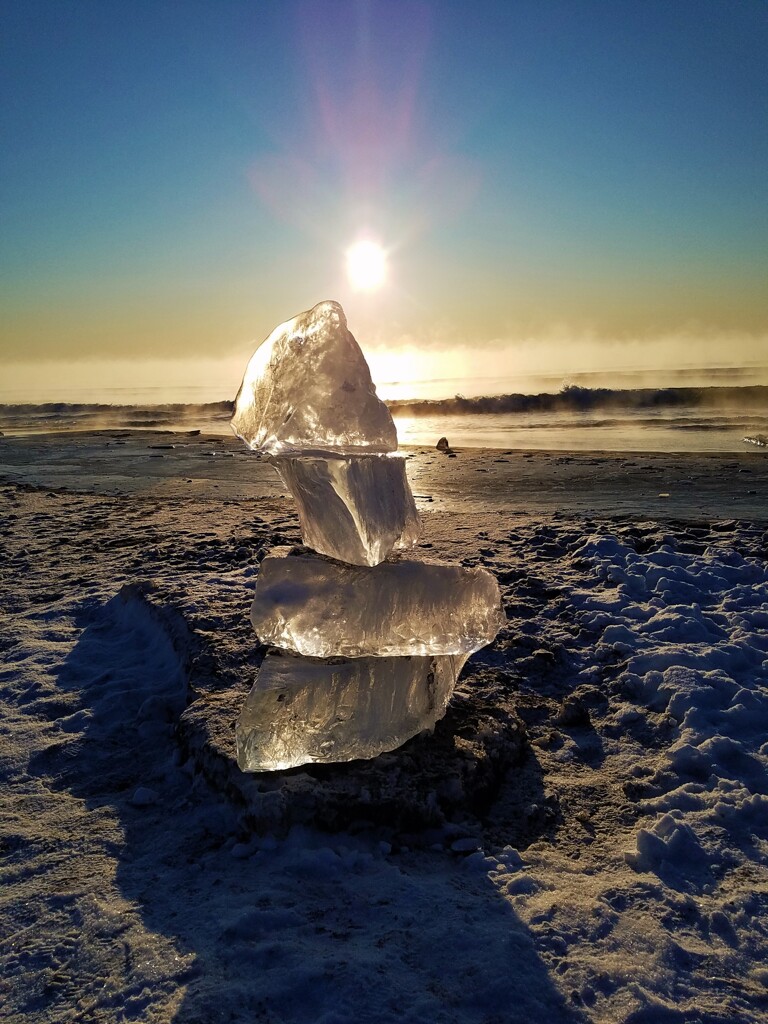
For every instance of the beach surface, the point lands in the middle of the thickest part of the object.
(215, 467)
(619, 875)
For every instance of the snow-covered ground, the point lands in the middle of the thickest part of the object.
(632, 887)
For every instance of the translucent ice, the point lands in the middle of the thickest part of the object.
(372, 641)
(322, 608)
(354, 508)
(308, 386)
(302, 710)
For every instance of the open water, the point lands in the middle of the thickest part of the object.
(712, 410)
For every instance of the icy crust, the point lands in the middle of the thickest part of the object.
(408, 606)
(304, 710)
(692, 633)
(354, 508)
(308, 386)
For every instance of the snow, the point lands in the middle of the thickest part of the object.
(637, 653)
(698, 653)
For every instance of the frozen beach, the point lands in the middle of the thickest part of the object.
(619, 874)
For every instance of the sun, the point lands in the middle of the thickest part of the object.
(366, 266)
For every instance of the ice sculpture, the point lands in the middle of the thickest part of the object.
(371, 641)
(306, 710)
(323, 608)
(308, 386)
(355, 508)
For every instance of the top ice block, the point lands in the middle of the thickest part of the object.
(308, 387)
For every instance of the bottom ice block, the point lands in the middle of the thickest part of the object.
(304, 710)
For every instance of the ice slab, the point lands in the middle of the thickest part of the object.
(308, 386)
(354, 508)
(302, 710)
(322, 608)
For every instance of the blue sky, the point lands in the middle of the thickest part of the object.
(179, 177)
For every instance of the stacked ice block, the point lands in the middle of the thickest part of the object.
(367, 641)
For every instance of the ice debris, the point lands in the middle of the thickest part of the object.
(308, 386)
(322, 608)
(303, 710)
(372, 642)
(357, 509)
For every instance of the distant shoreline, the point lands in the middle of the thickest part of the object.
(695, 419)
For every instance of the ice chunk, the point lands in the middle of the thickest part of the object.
(354, 508)
(302, 710)
(308, 386)
(407, 624)
(322, 608)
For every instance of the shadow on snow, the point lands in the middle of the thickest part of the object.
(310, 929)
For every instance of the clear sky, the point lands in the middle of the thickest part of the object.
(177, 178)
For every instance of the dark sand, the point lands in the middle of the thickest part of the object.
(171, 465)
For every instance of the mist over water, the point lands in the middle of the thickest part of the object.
(553, 382)
(563, 432)
(708, 410)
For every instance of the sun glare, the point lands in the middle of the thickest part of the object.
(366, 266)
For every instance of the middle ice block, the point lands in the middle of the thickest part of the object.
(355, 508)
(408, 606)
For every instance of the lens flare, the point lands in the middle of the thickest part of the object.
(366, 266)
